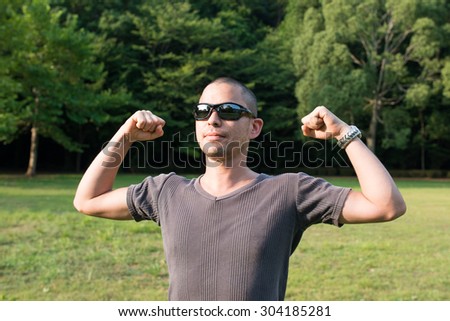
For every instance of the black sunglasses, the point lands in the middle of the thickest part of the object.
(226, 111)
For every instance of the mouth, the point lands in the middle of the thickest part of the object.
(214, 135)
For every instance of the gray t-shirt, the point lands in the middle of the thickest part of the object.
(237, 246)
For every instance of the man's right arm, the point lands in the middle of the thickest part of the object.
(95, 195)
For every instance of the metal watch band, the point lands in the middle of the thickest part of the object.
(349, 136)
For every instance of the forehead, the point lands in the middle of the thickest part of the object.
(217, 93)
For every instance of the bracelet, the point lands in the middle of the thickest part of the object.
(349, 136)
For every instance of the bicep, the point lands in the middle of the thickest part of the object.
(112, 205)
(358, 209)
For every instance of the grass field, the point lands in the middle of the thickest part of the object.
(50, 252)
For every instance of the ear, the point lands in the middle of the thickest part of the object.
(256, 126)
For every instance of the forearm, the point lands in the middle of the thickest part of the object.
(377, 185)
(101, 174)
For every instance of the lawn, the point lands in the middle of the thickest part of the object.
(50, 252)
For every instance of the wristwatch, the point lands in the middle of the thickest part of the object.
(349, 136)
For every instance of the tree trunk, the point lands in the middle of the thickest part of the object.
(372, 135)
(32, 161)
(422, 143)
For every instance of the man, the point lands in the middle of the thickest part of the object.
(228, 234)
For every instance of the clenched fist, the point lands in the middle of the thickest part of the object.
(143, 125)
(323, 124)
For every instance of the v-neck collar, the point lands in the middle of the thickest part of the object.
(204, 193)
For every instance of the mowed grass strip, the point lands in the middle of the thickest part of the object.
(50, 252)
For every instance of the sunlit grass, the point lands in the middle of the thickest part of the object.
(50, 252)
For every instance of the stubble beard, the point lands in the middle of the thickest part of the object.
(223, 153)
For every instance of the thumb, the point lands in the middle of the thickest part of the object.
(159, 131)
(305, 130)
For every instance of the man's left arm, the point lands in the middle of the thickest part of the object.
(379, 199)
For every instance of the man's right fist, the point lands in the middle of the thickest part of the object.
(143, 125)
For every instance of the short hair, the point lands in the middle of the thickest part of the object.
(247, 94)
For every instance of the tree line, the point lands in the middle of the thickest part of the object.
(71, 71)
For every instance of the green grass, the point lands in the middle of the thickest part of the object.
(50, 252)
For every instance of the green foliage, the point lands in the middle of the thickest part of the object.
(54, 78)
(69, 67)
(325, 72)
(9, 87)
(397, 128)
(418, 95)
(175, 48)
(60, 78)
(446, 79)
(370, 62)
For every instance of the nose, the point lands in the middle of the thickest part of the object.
(214, 119)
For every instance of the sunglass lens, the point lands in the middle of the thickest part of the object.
(230, 112)
(202, 111)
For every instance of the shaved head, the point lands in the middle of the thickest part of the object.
(247, 95)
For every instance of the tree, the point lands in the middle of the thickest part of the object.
(177, 51)
(361, 57)
(9, 87)
(274, 82)
(164, 52)
(422, 97)
(60, 80)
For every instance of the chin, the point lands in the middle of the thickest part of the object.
(213, 149)
(215, 155)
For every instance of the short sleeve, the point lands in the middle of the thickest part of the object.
(318, 201)
(142, 198)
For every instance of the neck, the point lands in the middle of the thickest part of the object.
(220, 179)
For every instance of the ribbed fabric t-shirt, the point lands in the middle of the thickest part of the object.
(237, 246)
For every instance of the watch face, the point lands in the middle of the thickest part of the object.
(349, 136)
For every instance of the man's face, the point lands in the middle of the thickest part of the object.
(220, 138)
